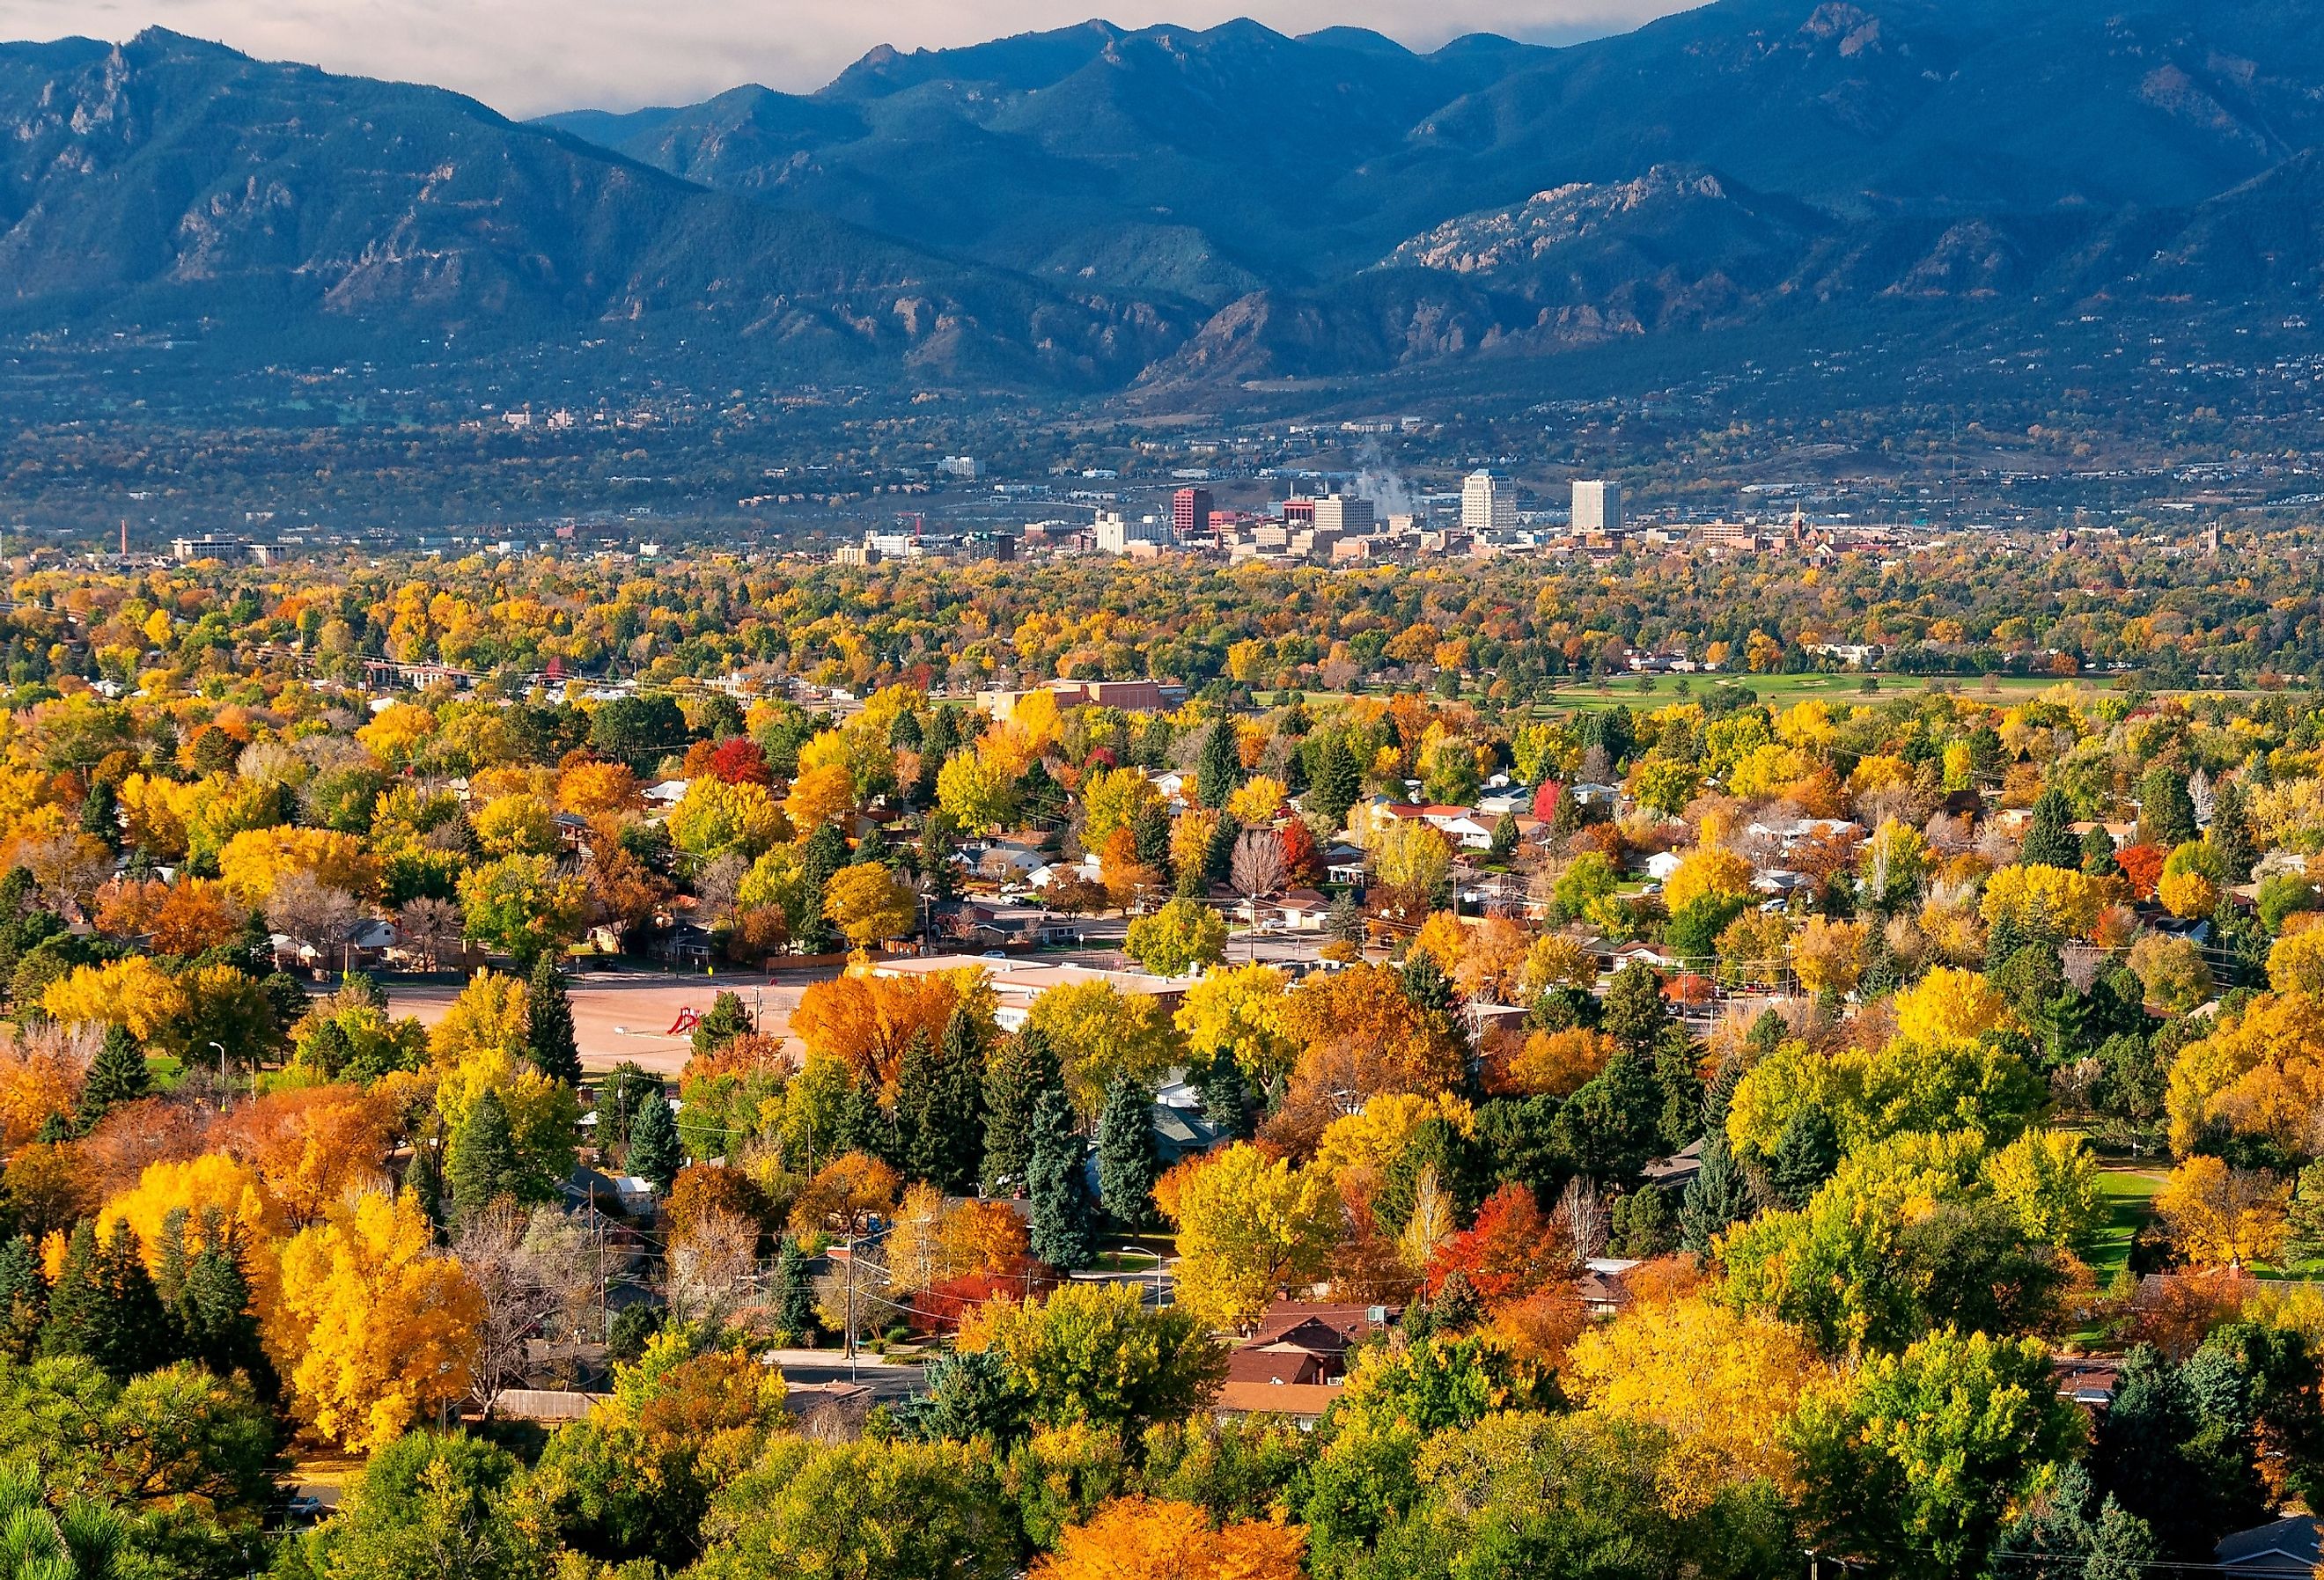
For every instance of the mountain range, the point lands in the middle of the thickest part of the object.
(1097, 208)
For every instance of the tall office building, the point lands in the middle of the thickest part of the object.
(1338, 513)
(1487, 503)
(1598, 508)
(1190, 514)
(1116, 532)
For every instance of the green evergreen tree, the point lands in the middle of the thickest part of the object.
(1505, 838)
(2304, 1242)
(548, 1025)
(2166, 812)
(862, 1124)
(1228, 1104)
(118, 1075)
(2050, 838)
(1806, 1154)
(1149, 837)
(100, 814)
(655, 1151)
(941, 1123)
(1338, 782)
(211, 1310)
(1642, 1224)
(822, 853)
(2098, 854)
(1218, 772)
(2230, 833)
(1062, 1218)
(104, 1305)
(794, 1295)
(24, 1298)
(1023, 1070)
(1634, 1011)
(1717, 1197)
(481, 1163)
(1127, 1159)
(725, 1020)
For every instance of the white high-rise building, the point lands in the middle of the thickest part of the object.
(1487, 503)
(1598, 508)
(1116, 531)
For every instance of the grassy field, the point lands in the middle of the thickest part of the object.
(1781, 690)
(2129, 1193)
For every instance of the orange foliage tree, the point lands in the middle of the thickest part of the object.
(868, 1022)
(1507, 1253)
(1362, 1036)
(1157, 1538)
(313, 1145)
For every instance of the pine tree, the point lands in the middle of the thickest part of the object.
(1128, 1161)
(1635, 1012)
(2166, 812)
(1149, 839)
(24, 1298)
(480, 1165)
(1806, 1153)
(1228, 1101)
(941, 1129)
(548, 1025)
(105, 1307)
(862, 1125)
(655, 1151)
(794, 1295)
(1715, 1198)
(118, 1075)
(822, 853)
(1219, 769)
(2098, 854)
(2231, 832)
(916, 1080)
(100, 814)
(1061, 1227)
(726, 1021)
(212, 1312)
(1338, 782)
(1024, 1070)
(2050, 838)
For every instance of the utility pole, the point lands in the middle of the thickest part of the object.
(226, 1088)
(851, 1305)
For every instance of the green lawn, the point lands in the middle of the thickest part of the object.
(1785, 688)
(2129, 1193)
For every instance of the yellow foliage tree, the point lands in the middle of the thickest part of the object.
(1239, 1009)
(378, 1327)
(131, 992)
(594, 790)
(488, 1014)
(868, 902)
(517, 825)
(1949, 1005)
(2220, 1216)
(1723, 1383)
(1829, 954)
(1706, 872)
(818, 795)
(1247, 1225)
(254, 860)
(1379, 1135)
(2040, 897)
(1555, 960)
(212, 1181)
(2259, 1073)
(1257, 800)
(2295, 962)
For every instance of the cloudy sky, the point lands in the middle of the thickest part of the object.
(526, 57)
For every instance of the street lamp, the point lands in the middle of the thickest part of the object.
(224, 1087)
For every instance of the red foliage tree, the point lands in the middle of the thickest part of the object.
(942, 1307)
(738, 760)
(1507, 1253)
(2142, 865)
(1302, 863)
